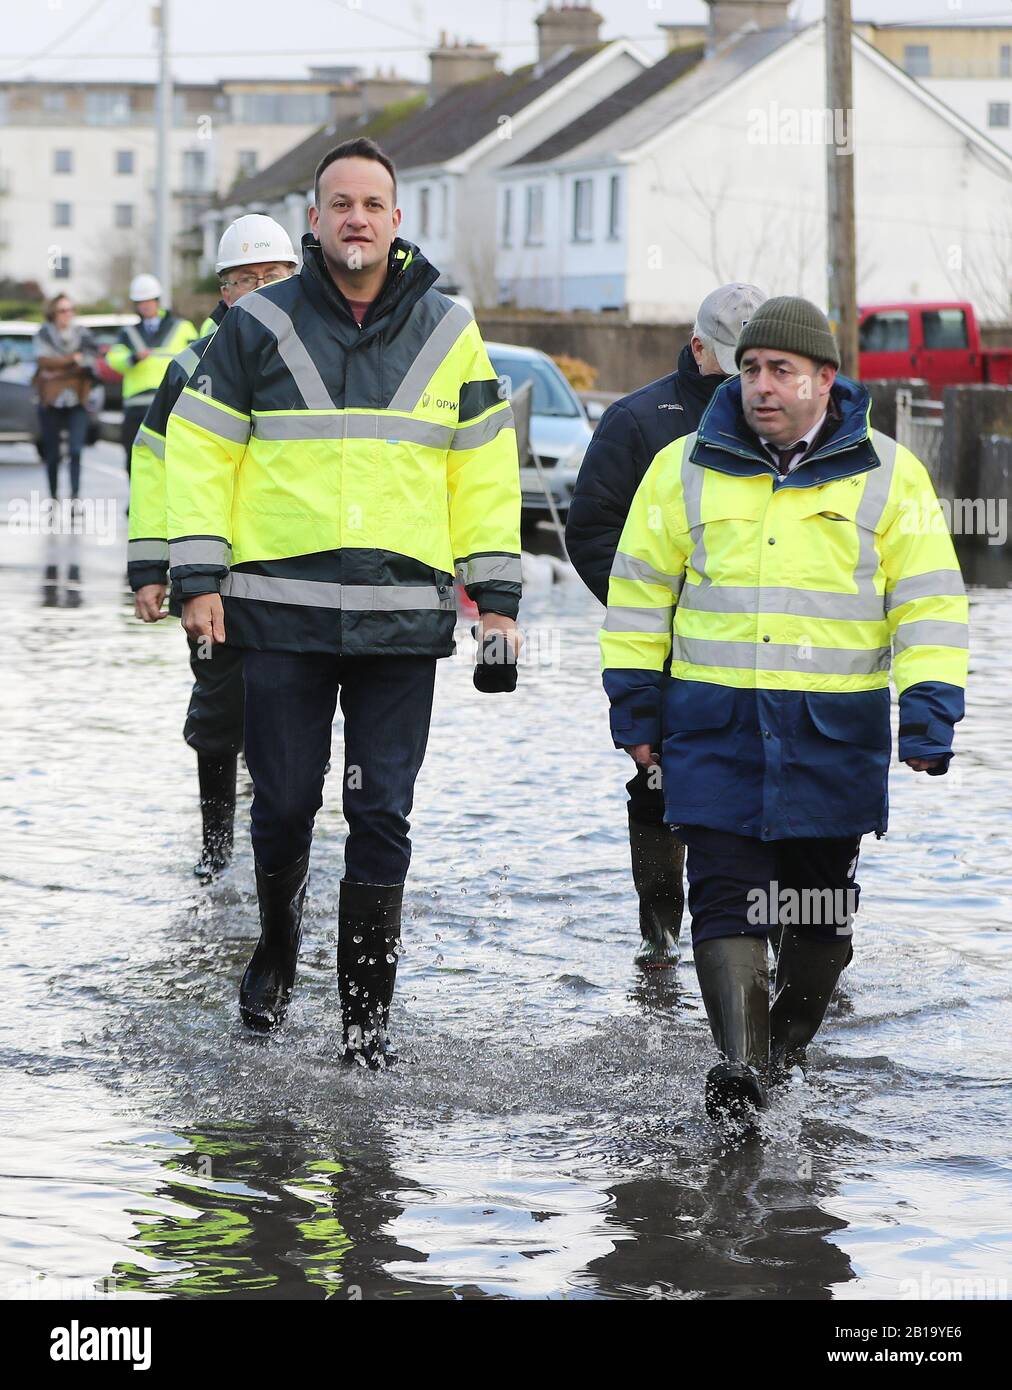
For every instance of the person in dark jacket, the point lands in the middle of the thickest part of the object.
(632, 431)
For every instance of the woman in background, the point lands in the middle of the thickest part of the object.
(65, 353)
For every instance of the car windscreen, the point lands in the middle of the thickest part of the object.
(20, 345)
(550, 396)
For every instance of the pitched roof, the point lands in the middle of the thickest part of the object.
(414, 133)
(628, 98)
(678, 98)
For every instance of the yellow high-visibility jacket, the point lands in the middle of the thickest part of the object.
(143, 375)
(329, 479)
(753, 620)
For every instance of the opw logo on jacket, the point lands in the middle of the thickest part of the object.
(439, 402)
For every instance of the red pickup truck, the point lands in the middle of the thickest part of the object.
(938, 342)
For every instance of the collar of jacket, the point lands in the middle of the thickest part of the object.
(218, 312)
(725, 443)
(691, 382)
(409, 275)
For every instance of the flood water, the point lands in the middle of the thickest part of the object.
(545, 1136)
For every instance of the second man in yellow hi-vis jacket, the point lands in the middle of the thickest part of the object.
(342, 452)
(254, 250)
(142, 353)
(773, 566)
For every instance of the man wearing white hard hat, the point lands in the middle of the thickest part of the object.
(254, 250)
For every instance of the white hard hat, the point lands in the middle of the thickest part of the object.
(251, 239)
(145, 287)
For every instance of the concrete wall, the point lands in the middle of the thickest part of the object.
(973, 413)
(625, 355)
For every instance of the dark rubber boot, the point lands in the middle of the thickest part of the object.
(268, 980)
(658, 858)
(368, 944)
(217, 809)
(807, 970)
(734, 980)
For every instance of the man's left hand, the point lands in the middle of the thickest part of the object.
(922, 764)
(496, 668)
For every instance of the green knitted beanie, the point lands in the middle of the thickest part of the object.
(793, 325)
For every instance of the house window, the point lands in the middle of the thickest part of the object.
(123, 215)
(506, 235)
(63, 161)
(63, 215)
(444, 209)
(423, 212)
(194, 171)
(998, 115)
(583, 207)
(614, 208)
(247, 164)
(917, 59)
(54, 101)
(107, 108)
(124, 161)
(1005, 60)
(61, 269)
(534, 222)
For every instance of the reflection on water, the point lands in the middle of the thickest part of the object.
(545, 1135)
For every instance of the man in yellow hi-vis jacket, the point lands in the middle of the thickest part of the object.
(343, 449)
(142, 353)
(773, 566)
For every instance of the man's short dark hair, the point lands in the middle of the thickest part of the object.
(362, 148)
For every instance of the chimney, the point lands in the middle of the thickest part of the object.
(453, 64)
(384, 90)
(731, 17)
(565, 27)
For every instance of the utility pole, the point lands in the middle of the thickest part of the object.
(840, 232)
(163, 173)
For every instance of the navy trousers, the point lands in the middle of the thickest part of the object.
(290, 702)
(740, 886)
(214, 718)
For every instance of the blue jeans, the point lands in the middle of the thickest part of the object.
(290, 702)
(53, 421)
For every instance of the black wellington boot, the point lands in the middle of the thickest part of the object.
(216, 777)
(734, 980)
(658, 858)
(368, 944)
(807, 970)
(268, 980)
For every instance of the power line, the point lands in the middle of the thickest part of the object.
(61, 38)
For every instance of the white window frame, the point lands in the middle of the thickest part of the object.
(534, 227)
(583, 229)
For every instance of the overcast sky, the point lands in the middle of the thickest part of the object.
(69, 40)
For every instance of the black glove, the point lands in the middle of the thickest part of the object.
(495, 670)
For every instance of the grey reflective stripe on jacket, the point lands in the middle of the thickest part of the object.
(291, 349)
(777, 656)
(480, 569)
(147, 550)
(314, 593)
(429, 358)
(200, 550)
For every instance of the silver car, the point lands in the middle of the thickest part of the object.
(560, 429)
